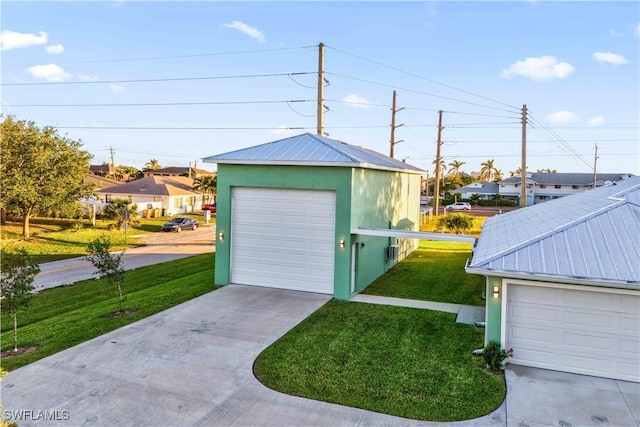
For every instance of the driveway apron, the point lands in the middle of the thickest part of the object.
(190, 365)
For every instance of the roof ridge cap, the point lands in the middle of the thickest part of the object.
(323, 141)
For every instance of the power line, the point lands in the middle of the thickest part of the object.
(197, 55)
(468, 126)
(171, 79)
(424, 78)
(152, 104)
(417, 91)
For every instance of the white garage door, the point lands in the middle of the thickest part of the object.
(580, 331)
(283, 238)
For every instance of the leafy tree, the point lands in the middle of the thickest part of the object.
(40, 170)
(207, 185)
(516, 172)
(116, 208)
(488, 171)
(16, 284)
(457, 222)
(124, 173)
(109, 265)
(152, 165)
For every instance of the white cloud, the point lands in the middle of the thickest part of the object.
(596, 121)
(12, 40)
(117, 88)
(87, 78)
(357, 101)
(248, 30)
(563, 117)
(636, 29)
(50, 72)
(610, 58)
(539, 68)
(54, 49)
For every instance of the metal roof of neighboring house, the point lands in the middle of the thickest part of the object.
(312, 150)
(591, 237)
(569, 178)
(479, 188)
(154, 186)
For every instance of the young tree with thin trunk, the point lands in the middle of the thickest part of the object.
(109, 265)
(16, 284)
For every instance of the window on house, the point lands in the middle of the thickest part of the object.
(575, 187)
(107, 198)
(557, 186)
(543, 197)
(543, 186)
(177, 202)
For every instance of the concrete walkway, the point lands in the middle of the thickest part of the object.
(465, 313)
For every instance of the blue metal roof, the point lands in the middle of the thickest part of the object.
(592, 236)
(312, 150)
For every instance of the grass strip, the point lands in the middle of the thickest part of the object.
(401, 361)
(60, 318)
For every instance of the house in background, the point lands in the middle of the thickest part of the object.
(313, 214)
(542, 187)
(563, 282)
(485, 190)
(157, 194)
(179, 171)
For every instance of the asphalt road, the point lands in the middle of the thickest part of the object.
(159, 247)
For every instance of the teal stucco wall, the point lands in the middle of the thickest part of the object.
(364, 197)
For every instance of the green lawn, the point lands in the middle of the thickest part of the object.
(434, 272)
(54, 239)
(401, 361)
(62, 317)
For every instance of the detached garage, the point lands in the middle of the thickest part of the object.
(563, 282)
(289, 211)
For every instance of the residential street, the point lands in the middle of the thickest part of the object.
(159, 247)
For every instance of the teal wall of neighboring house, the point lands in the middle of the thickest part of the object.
(382, 199)
(493, 326)
(364, 198)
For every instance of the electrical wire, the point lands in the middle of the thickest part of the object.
(156, 104)
(171, 79)
(423, 78)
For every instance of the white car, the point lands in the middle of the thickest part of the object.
(459, 206)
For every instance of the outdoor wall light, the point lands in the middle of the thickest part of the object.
(496, 292)
(221, 235)
(342, 243)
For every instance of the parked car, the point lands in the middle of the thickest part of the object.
(179, 224)
(459, 206)
(209, 207)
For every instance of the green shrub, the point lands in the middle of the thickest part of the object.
(494, 355)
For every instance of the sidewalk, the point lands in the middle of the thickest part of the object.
(465, 313)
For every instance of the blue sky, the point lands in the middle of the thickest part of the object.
(574, 64)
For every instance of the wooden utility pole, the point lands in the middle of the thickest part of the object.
(595, 160)
(320, 106)
(393, 141)
(523, 164)
(436, 191)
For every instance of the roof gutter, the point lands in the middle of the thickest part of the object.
(617, 284)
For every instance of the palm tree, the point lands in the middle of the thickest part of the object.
(516, 172)
(455, 167)
(488, 171)
(547, 170)
(207, 185)
(443, 170)
(152, 165)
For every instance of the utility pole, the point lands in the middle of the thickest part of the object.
(320, 106)
(436, 191)
(393, 125)
(189, 169)
(523, 164)
(113, 165)
(595, 160)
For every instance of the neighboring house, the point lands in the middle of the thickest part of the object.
(563, 282)
(486, 190)
(542, 187)
(313, 214)
(101, 170)
(171, 195)
(179, 171)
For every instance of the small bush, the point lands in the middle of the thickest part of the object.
(494, 355)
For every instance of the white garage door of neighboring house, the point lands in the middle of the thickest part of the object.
(574, 330)
(283, 238)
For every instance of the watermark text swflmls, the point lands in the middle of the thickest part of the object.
(36, 415)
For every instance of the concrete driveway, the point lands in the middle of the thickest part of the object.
(191, 365)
